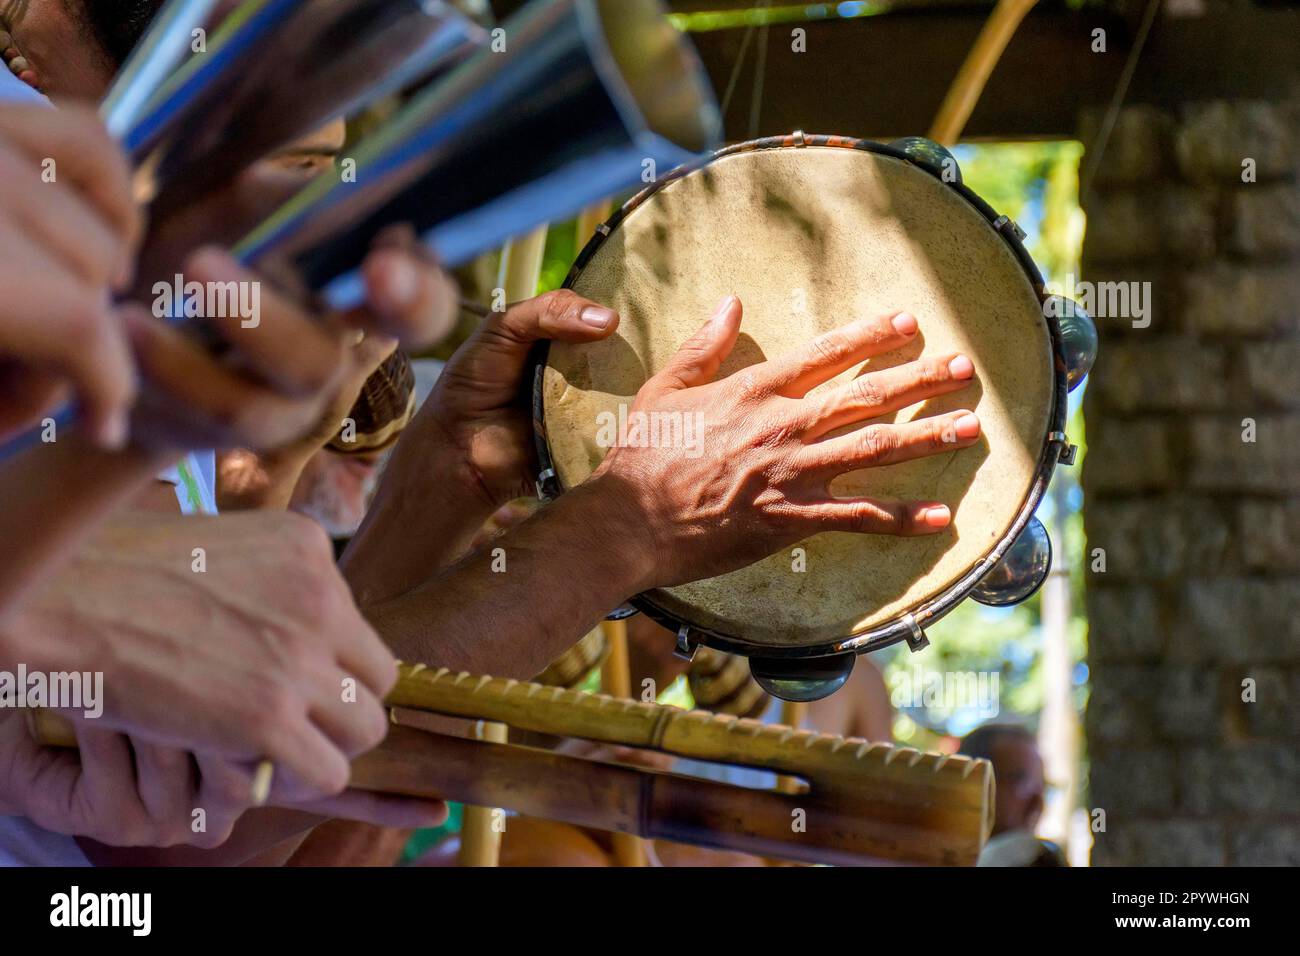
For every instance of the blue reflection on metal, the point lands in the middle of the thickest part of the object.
(1021, 571)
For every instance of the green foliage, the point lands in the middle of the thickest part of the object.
(777, 12)
(561, 250)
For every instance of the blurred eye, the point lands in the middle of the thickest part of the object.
(304, 164)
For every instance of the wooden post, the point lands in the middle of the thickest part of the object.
(793, 713)
(976, 70)
(480, 842)
(616, 680)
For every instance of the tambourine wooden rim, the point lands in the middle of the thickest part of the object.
(909, 627)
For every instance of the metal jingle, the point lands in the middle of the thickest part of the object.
(929, 154)
(802, 679)
(622, 613)
(1020, 572)
(1078, 337)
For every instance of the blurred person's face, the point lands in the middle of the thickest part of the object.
(335, 489)
(225, 216)
(71, 64)
(1018, 770)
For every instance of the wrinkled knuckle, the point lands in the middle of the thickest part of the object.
(875, 518)
(692, 362)
(866, 392)
(773, 508)
(830, 348)
(674, 378)
(888, 518)
(747, 385)
(862, 518)
(558, 303)
(875, 442)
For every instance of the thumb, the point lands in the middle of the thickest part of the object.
(700, 356)
(496, 355)
(562, 315)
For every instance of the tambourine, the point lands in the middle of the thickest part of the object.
(810, 232)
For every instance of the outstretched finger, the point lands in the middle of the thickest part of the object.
(889, 390)
(877, 445)
(833, 352)
(699, 357)
(878, 516)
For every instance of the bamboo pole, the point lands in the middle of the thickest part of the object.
(865, 801)
(616, 680)
(976, 69)
(480, 840)
(521, 265)
(590, 218)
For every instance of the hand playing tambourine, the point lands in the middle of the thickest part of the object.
(477, 415)
(773, 448)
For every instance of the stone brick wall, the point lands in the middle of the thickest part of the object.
(1200, 528)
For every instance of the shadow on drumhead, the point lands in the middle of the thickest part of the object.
(745, 353)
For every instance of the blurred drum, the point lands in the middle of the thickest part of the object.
(812, 232)
(576, 664)
(722, 683)
(384, 407)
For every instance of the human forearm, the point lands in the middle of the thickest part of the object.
(491, 612)
(56, 495)
(424, 516)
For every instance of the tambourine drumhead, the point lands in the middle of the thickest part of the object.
(811, 238)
